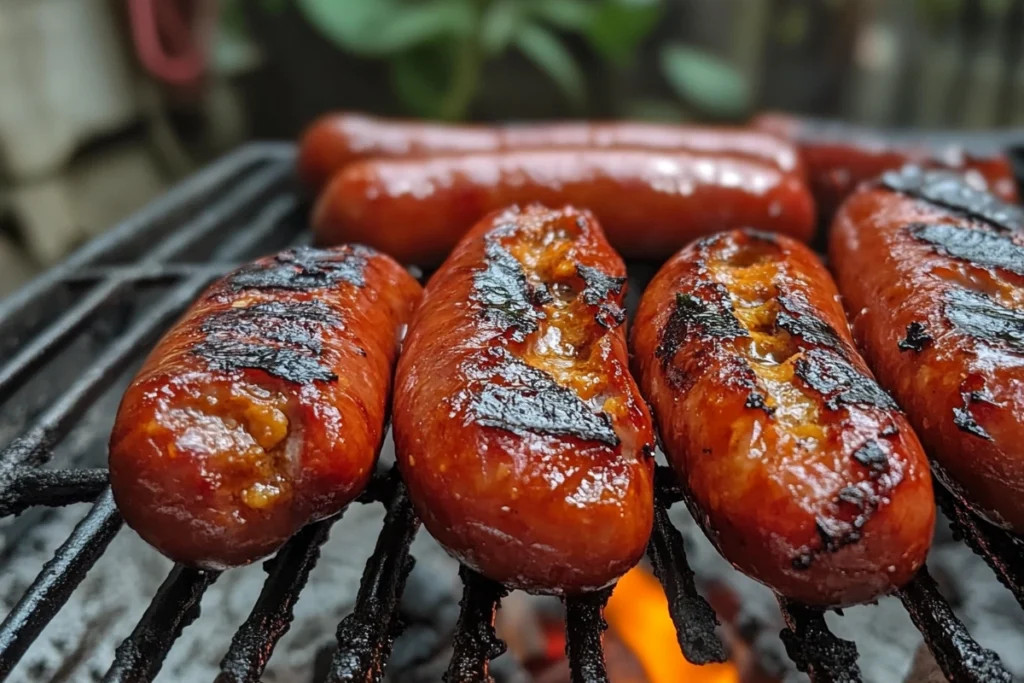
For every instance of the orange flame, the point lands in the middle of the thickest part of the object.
(638, 613)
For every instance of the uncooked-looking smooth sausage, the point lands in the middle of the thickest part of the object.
(839, 157)
(264, 408)
(649, 204)
(932, 273)
(800, 469)
(520, 433)
(336, 140)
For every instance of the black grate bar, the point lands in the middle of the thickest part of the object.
(365, 637)
(272, 615)
(1003, 551)
(959, 656)
(31, 486)
(33, 448)
(149, 274)
(475, 641)
(694, 619)
(58, 579)
(262, 228)
(815, 650)
(176, 605)
(584, 628)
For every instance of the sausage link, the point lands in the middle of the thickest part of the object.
(263, 409)
(839, 157)
(932, 273)
(522, 437)
(336, 140)
(799, 468)
(649, 204)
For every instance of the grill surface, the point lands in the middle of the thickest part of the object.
(247, 204)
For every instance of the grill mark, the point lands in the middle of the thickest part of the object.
(304, 269)
(502, 290)
(599, 288)
(949, 190)
(694, 315)
(838, 382)
(978, 247)
(287, 364)
(985, 319)
(917, 338)
(963, 418)
(872, 456)
(799, 319)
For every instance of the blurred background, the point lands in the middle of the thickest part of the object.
(105, 103)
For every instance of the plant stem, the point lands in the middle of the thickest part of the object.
(465, 80)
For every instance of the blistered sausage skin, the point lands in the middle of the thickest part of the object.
(799, 468)
(519, 431)
(839, 157)
(264, 408)
(932, 274)
(649, 204)
(336, 140)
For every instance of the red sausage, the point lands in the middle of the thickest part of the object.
(839, 157)
(263, 409)
(800, 469)
(336, 140)
(649, 204)
(932, 273)
(524, 442)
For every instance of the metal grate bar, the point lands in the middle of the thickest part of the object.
(272, 615)
(175, 606)
(475, 641)
(147, 274)
(815, 650)
(53, 488)
(584, 626)
(365, 636)
(58, 579)
(694, 619)
(1003, 551)
(263, 227)
(959, 656)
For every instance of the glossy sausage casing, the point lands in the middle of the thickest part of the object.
(525, 445)
(263, 409)
(336, 140)
(932, 273)
(839, 157)
(800, 469)
(649, 204)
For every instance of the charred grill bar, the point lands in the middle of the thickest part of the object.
(238, 207)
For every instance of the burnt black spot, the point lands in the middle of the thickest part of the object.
(835, 533)
(599, 285)
(803, 561)
(798, 318)
(755, 399)
(701, 316)
(979, 247)
(610, 316)
(761, 235)
(963, 418)
(838, 382)
(985, 319)
(286, 363)
(872, 456)
(950, 190)
(854, 496)
(917, 338)
(890, 430)
(305, 268)
(522, 399)
(507, 298)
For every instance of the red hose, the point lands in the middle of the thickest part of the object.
(171, 37)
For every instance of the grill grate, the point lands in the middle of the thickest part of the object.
(243, 205)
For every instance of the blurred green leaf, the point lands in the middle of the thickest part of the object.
(568, 15)
(274, 6)
(499, 24)
(705, 80)
(654, 110)
(420, 77)
(416, 24)
(619, 26)
(349, 25)
(543, 48)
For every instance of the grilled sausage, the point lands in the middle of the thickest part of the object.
(839, 157)
(932, 273)
(264, 408)
(523, 440)
(337, 140)
(649, 204)
(800, 469)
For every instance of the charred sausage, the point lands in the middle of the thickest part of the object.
(521, 435)
(800, 469)
(649, 204)
(263, 409)
(337, 140)
(932, 273)
(838, 157)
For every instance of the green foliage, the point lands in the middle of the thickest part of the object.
(705, 81)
